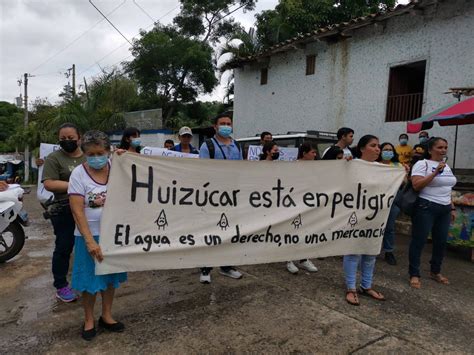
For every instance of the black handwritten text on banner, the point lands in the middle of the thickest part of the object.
(171, 213)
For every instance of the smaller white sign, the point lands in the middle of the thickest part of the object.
(286, 154)
(45, 149)
(166, 152)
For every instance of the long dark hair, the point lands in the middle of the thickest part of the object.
(395, 154)
(362, 143)
(305, 148)
(431, 143)
(267, 147)
(127, 133)
(70, 125)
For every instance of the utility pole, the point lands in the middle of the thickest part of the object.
(68, 74)
(74, 80)
(27, 151)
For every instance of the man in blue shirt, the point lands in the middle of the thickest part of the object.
(221, 146)
(185, 135)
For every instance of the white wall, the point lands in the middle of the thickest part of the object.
(350, 85)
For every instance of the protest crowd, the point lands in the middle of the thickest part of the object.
(78, 174)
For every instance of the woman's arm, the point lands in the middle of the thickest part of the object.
(77, 207)
(420, 182)
(57, 186)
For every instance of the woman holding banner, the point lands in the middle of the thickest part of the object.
(57, 170)
(368, 150)
(87, 193)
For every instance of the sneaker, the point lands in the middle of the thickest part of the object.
(232, 273)
(308, 266)
(291, 267)
(390, 258)
(205, 277)
(66, 295)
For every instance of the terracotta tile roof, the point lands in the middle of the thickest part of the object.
(333, 30)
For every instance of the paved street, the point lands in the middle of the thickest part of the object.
(268, 311)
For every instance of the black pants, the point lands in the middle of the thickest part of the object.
(207, 270)
(63, 225)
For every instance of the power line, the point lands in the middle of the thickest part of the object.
(143, 10)
(100, 12)
(76, 39)
(121, 60)
(114, 50)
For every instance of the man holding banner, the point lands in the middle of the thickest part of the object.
(221, 146)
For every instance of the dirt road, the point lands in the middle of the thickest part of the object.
(267, 311)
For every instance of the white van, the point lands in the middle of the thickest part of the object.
(319, 139)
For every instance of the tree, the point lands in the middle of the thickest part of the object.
(208, 20)
(11, 119)
(175, 67)
(293, 17)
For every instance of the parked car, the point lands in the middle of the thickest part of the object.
(320, 139)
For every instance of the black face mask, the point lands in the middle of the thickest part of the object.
(68, 145)
(275, 156)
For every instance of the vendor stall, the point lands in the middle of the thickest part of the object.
(461, 232)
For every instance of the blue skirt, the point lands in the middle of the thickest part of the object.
(84, 278)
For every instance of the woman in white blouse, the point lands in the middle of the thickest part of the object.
(434, 212)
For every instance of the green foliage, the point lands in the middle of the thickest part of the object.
(209, 20)
(196, 114)
(293, 17)
(173, 66)
(11, 119)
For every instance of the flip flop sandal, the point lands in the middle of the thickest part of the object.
(370, 293)
(440, 279)
(356, 298)
(415, 283)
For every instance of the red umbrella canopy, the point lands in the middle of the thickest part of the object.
(459, 114)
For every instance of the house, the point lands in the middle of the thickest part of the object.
(372, 74)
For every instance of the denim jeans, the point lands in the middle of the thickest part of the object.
(367, 266)
(429, 217)
(389, 235)
(63, 225)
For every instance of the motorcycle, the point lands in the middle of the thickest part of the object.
(12, 220)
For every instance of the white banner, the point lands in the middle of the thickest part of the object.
(286, 154)
(166, 153)
(45, 149)
(168, 213)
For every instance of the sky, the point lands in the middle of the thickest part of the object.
(45, 37)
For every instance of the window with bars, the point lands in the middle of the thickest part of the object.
(310, 64)
(405, 92)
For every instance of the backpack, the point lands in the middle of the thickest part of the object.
(212, 149)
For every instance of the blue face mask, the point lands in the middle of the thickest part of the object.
(423, 139)
(136, 142)
(97, 163)
(403, 141)
(387, 155)
(225, 131)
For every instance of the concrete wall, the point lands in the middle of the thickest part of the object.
(350, 85)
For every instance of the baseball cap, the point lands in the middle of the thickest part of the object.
(185, 130)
